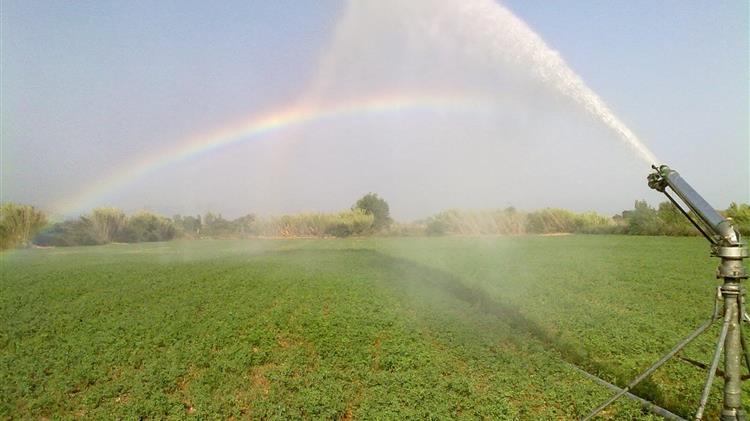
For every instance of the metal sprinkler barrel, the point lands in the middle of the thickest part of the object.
(726, 244)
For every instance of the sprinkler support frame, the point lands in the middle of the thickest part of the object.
(726, 244)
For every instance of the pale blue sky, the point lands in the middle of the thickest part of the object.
(90, 85)
(676, 71)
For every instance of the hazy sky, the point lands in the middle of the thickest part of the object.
(88, 88)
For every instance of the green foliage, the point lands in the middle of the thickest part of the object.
(188, 226)
(339, 230)
(439, 224)
(19, 224)
(343, 224)
(387, 328)
(108, 224)
(74, 232)
(355, 222)
(147, 227)
(216, 226)
(245, 226)
(665, 220)
(512, 222)
(312, 224)
(462, 222)
(740, 214)
(593, 223)
(299, 225)
(111, 225)
(642, 220)
(376, 206)
(551, 220)
(105, 225)
(672, 221)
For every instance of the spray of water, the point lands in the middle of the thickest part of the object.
(481, 29)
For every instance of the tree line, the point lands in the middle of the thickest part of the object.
(643, 219)
(24, 225)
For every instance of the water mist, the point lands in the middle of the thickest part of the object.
(481, 30)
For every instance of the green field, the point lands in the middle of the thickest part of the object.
(391, 328)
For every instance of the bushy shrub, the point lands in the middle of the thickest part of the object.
(245, 225)
(19, 224)
(740, 214)
(187, 226)
(360, 222)
(107, 224)
(487, 222)
(103, 225)
(642, 220)
(673, 222)
(437, 225)
(73, 232)
(148, 227)
(299, 225)
(374, 205)
(344, 224)
(593, 223)
(339, 229)
(214, 225)
(551, 220)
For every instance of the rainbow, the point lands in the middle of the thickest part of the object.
(291, 116)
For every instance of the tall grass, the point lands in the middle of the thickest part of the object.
(512, 222)
(343, 224)
(19, 224)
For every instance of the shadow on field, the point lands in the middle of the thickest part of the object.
(512, 315)
(410, 275)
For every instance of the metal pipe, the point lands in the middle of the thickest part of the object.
(745, 350)
(714, 363)
(695, 201)
(692, 221)
(658, 410)
(726, 244)
(651, 369)
(720, 226)
(732, 358)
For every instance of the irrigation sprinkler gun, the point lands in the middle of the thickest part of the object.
(727, 245)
